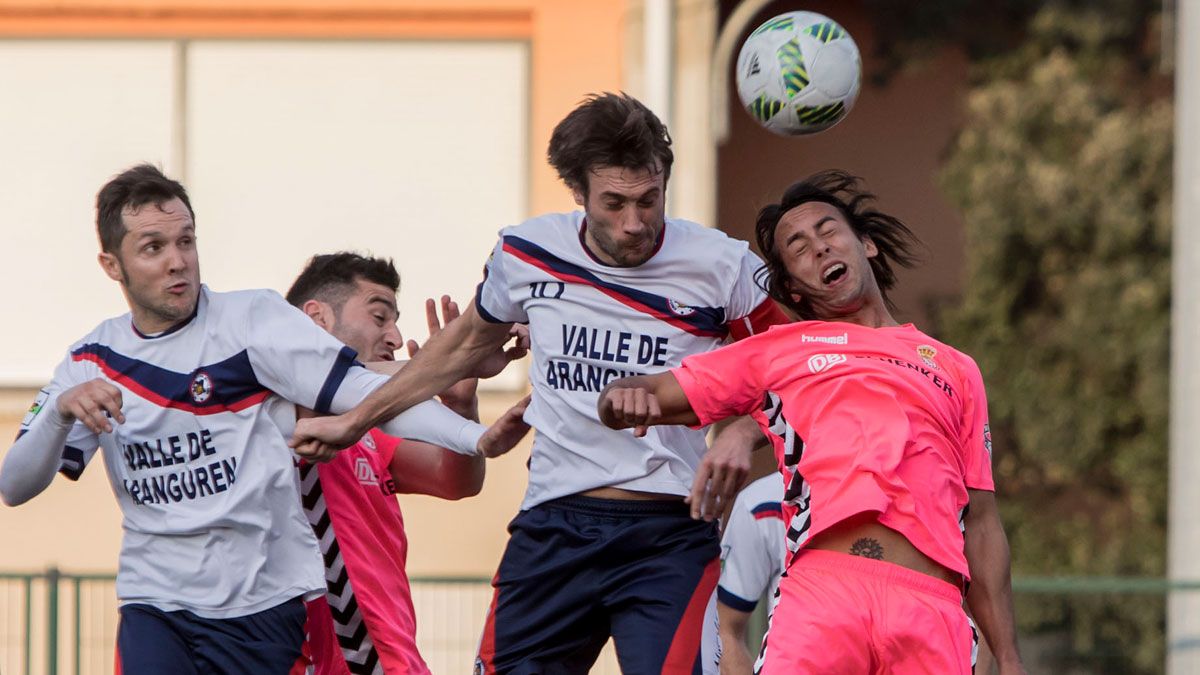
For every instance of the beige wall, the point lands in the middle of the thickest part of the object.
(573, 48)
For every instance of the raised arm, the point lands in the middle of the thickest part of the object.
(990, 594)
(642, 401)
(468, 346)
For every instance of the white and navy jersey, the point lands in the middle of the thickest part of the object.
(592, 323)
(754, 547)
(206, 483)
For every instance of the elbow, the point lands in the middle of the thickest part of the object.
(9, 495)
(463, 484)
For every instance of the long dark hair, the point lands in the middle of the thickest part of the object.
(896, 243)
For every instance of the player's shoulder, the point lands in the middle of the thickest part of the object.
(547, 228)
(697, 239)
(245, 298)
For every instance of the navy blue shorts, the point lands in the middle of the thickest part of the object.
(151, 641)
(578, 570)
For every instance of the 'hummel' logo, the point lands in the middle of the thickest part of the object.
(843, 339)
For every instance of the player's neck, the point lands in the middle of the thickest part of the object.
(870, 315)
(152, 324)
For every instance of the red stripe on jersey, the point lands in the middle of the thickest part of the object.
(769, 514)
(163, 402)
(763, 317)
(681, 657)
(624, 300)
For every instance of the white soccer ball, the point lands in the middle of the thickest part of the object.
(798, 73)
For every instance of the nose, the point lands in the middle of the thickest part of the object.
(631, 222)
(392, 338)
(176, 261)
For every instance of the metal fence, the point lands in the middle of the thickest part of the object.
(54, 623)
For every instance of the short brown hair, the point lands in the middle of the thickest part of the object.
(609, 130)
(331, 277)
(133, 188)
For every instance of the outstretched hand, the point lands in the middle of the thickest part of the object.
(625, 407)
(506, 432)
(460, 396)
(518, 347)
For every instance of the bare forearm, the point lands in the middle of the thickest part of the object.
(672, 403)
(446, 358)
(990, 594)
(735, 656)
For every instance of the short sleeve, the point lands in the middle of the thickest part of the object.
(749, 310)
(294, 357)
(977, 458)
(384, 451)
(748, 563)
(495, 299)
(726, 382)
(81, 443)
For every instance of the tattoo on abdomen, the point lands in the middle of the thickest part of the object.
(867, 548)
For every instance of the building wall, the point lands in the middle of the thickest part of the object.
(893, 138)
(570, 49)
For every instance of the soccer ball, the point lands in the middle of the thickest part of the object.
(798, 73)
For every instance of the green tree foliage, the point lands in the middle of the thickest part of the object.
(1063, 176)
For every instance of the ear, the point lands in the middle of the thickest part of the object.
(580, 198)
(791, 289)
(320, 312)
(869, 245)
(111, 266)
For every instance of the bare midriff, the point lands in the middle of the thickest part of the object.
(862, 535)
(618, 493)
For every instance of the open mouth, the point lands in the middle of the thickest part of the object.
(832, 273)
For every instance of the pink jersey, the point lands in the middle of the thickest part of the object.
(366, 622)
(866, 420)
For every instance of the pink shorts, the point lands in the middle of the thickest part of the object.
(839, 613)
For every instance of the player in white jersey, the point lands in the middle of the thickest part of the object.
(190, 398)
(753, 549)
(604, 544)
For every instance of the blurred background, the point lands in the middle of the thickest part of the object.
(1033, 146)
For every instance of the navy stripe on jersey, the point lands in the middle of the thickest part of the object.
(767, 509)
(704, 321)
(735, 601)
(225, 386)
(72, 463)
(487, 316)
(341, 366)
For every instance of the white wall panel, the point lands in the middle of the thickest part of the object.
(414, 150)
(72, 114)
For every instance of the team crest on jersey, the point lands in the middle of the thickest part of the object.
(926, 352)
(202, 387)
(364, 473)
(680, 309)
(987, 439)
(368, 442)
